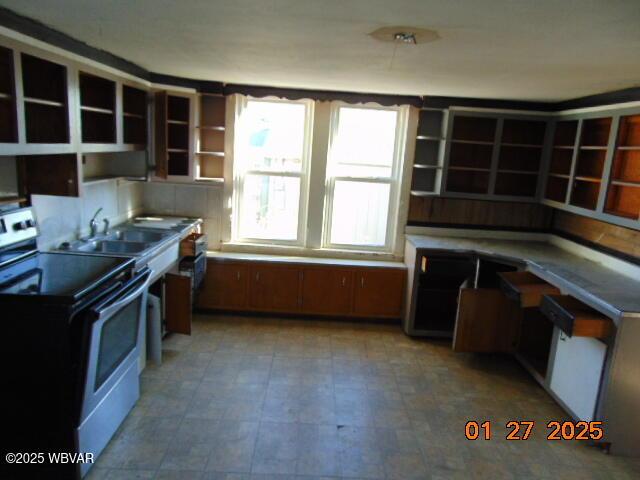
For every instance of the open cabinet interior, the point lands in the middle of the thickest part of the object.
(46, 109)
(98, 109)
(8, 118)
(623, 195)
(589, 167)
(134, 116)
(178, 115)
(211, 136)
(562, 152)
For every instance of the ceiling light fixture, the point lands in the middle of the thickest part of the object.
(405, 37)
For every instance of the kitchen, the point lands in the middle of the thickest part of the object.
(217, 262)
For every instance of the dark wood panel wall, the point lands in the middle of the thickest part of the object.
(613, 238)
(436, 211)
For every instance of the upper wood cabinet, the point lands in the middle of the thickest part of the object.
(134, 116)
(97, 109)
(478, 155)
(173, 126)
(46, 112)
(8, 118)
(594, 167)
(379, 292)
(210, 129)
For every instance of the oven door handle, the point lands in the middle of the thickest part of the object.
(112, 305)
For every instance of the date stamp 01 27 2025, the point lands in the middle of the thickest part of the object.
(523, 429)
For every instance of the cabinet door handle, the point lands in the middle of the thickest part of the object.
(344, 281)
(361, 282)
(238, 275)
(257, 276)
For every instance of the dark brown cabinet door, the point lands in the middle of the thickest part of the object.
(225, 286)
(178, 303)
(327, 291)
(274, 288)
(487, 321)
(161, 134)
(379, 292)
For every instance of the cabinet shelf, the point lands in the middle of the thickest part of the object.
(472, 142)
(469, 169)
(421, 193)
(428, 167)
(588, 179)
(559, 175)
(133, 115)
(177, 122)
(96, 110)
(592, 147)
(215, 154)
(211, 127)
(41, 101)
(521, 145)
(519, 172)
(429, 138)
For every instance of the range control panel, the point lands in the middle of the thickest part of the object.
(17, 226)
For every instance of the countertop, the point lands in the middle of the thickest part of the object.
(304, 260)
(612, 293)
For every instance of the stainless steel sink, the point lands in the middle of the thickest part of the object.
(112, 246)
(137, 236)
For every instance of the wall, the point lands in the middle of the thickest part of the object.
(434, 211)
(204, 201)
(65, 218)
(620, 240)
(8, 177)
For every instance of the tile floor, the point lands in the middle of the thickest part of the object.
(267, 399)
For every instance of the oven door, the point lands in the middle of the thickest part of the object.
(115, 341)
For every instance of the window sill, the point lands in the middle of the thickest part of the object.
(286, 250)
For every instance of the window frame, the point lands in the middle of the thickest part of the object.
(394, 180)
(240, 171)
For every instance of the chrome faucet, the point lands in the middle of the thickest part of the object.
(106, 226)
(93, 225)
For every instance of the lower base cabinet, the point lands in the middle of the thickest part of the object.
(332, 290)
(576, 373)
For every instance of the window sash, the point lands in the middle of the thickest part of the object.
(241, 171)
(393, 180)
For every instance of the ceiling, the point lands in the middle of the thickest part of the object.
(545, 50)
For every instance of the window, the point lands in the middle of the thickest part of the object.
(272, 148)
(363, 169)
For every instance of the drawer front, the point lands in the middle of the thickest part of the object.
(559, 316)
(525, 288)
(575, 318)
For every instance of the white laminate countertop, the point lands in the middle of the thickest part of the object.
(303, 260)
(610, 292)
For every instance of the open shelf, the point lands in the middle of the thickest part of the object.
(211, 137)
(178, 109)
(595, 132)
(425, 179)
(430, 123)
(561, 159)
(470, 155)
(520, 158)
(565, 133)
(629, 131)
(134, 113)
(626, 166)
(585, 193)
(8, 118)
(516, 184)
(623, 201)
(427, 153)
(178, 163)
(590, 163)
(467, 181)
(45, 91)
(474, 129)
(97, 109)
(524, 132)
(557, 187)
